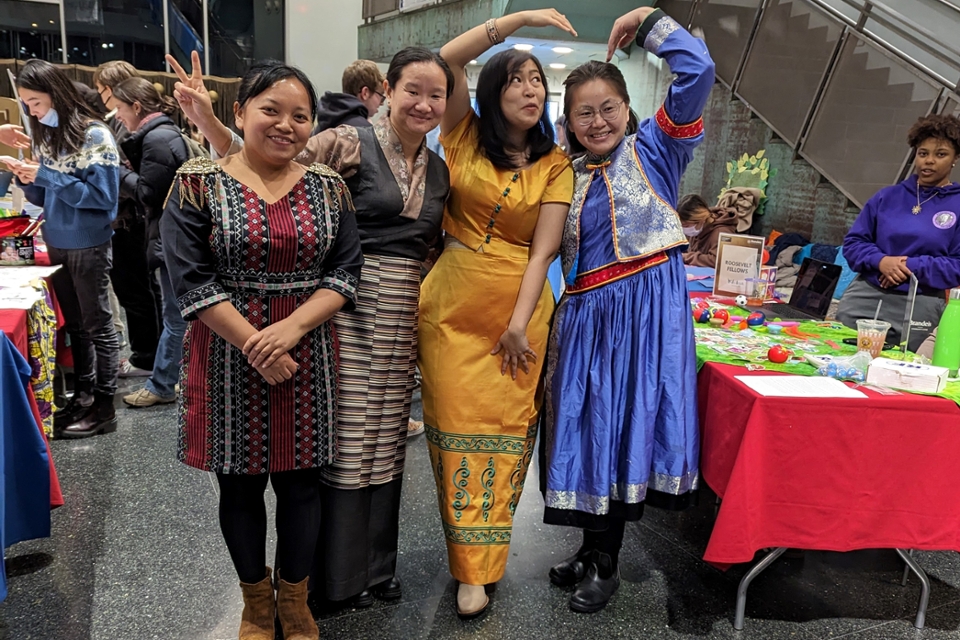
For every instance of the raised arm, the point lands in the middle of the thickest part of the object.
(468, 46)
(194, 100)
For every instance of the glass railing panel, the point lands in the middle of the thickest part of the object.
(726, 25)
(858, 136)
(679, 10)
(791, 53)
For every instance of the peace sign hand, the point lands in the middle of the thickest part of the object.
(191, 94)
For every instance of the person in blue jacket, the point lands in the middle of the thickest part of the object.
(76, 179)
(909, 228)
(621, 426)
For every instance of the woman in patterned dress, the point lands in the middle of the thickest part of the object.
(486, 304)
(398, 187)
(262, 252)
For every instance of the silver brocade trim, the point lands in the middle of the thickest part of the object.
(675, 485)
(654, 40)
(630, 493)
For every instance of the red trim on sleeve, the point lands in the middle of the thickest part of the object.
(678, 132)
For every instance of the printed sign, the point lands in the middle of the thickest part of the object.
(738, 260)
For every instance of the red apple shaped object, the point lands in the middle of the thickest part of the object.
(777, 354)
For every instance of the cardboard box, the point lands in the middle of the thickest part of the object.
(908, 376)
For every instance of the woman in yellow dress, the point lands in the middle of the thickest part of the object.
(486, 306)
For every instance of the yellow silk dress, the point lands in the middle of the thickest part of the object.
(481, 426)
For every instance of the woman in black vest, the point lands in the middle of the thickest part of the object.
(399, 188)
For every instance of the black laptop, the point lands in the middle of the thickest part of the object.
(816, 282)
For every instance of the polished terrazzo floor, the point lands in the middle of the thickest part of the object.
(136, 553)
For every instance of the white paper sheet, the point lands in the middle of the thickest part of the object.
(22, 276)
(799, 387)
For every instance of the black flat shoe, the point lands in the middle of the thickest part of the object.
(100, 417)
(569, 572)
(389, 590)
(363, 600)
(595, 592)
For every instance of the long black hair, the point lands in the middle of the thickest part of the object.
(74, 114)
(492, 124)
(412, 55)
(267, 73)
(594, 70)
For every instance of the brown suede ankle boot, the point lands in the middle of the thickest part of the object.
(295, 618)
(259, 610)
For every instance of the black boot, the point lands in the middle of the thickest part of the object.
(571, 571)
(388, 590)
(76, 408)
(101, 417)
(599, 585)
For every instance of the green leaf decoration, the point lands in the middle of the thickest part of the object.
(750, 171)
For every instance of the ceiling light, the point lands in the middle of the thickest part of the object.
(562, 50)
(474, 62)
(33, 24)
(523, 47)
(557, 65)
(52, 22)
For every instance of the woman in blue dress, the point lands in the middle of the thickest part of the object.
(621, 406)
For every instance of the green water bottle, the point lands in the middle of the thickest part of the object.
(946, 350)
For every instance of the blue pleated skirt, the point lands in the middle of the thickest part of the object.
(621, 419)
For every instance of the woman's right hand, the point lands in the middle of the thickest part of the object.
(190, 92)
(280, 371)
(893, 270)
(548, 18)
(12, 135)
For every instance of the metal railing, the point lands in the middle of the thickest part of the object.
(835, 89)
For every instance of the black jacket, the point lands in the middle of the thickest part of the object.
(155, 152)
(128, 217)
(341, 108)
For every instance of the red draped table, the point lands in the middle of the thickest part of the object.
(830, 474)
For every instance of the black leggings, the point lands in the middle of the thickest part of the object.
(607, 541)
(243, 521)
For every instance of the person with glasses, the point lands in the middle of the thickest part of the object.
(363, 94)
(621, 410)
(486, 305)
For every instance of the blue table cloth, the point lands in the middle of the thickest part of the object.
(24, 465)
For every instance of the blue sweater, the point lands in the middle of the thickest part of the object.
(931, 240)
(79, 192)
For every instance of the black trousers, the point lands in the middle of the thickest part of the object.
(81, 285)
(138, 292)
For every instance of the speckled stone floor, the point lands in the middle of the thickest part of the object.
(136, 553)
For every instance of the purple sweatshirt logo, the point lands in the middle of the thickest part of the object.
(944, 219)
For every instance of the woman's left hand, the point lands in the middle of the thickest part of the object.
(516, 352)
(625, 29)
(264, 347)
(26, 171)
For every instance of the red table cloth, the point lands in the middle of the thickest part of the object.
(830, 474)
(13, 322)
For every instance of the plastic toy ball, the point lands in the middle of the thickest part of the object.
(702, 316)
(741, 301)
(720, 314)
(756, 319)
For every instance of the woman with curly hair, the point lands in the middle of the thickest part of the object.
(909, 228)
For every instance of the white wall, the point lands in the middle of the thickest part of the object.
(322, 38)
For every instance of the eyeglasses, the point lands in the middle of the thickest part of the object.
(609, 112)
(383, 96)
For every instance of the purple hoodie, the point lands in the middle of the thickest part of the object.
(930, 240)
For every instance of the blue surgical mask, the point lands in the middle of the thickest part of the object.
(51, 119)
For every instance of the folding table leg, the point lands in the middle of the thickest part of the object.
(924, 587)
(906, 571)
(756, 570)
